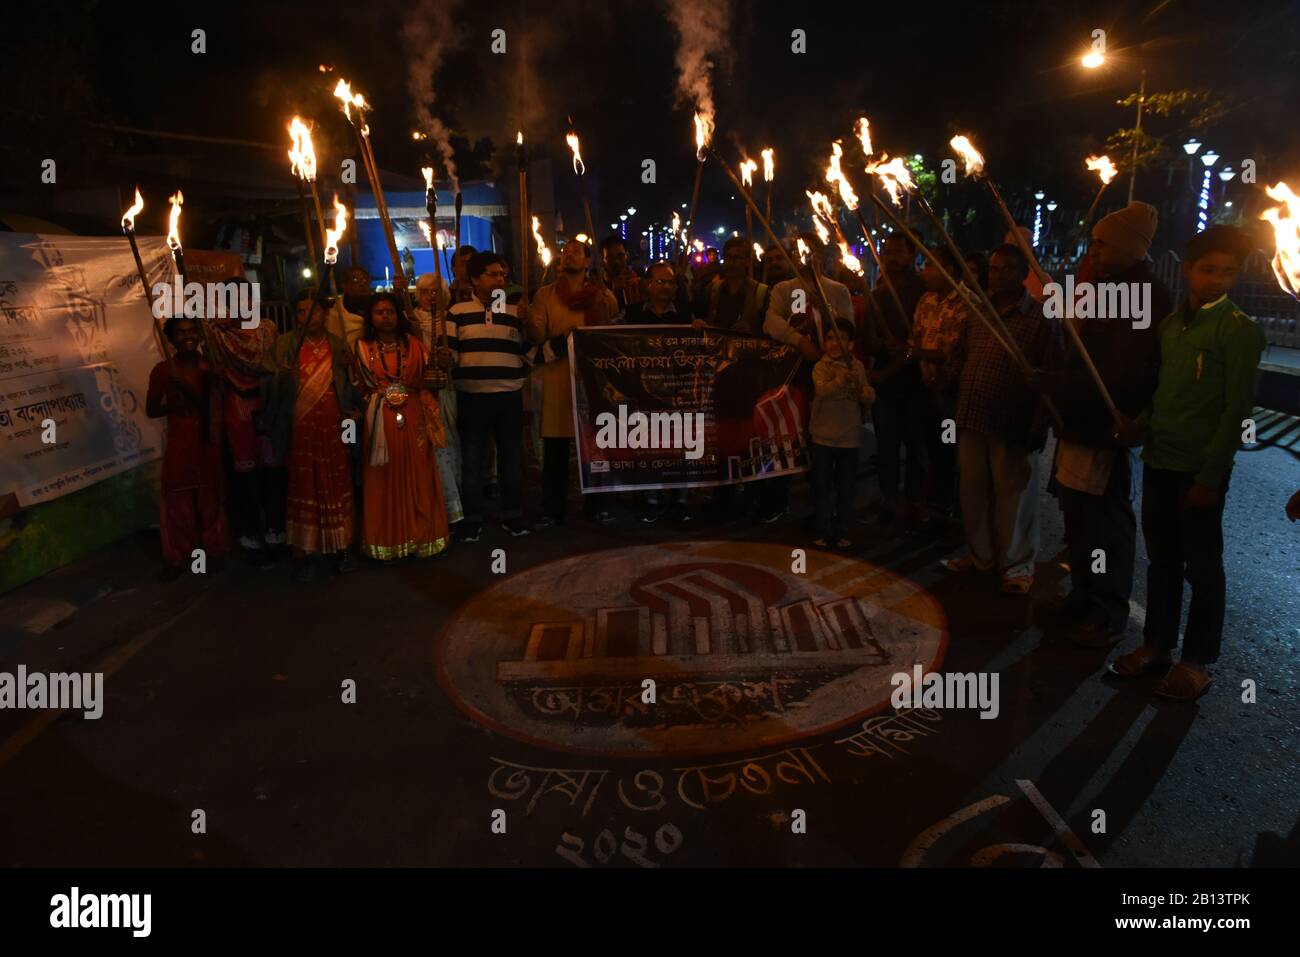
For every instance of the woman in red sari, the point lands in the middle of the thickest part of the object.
(402, 505)
(311, 400)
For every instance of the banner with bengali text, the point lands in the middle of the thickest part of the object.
(77, 343)
(752, 395)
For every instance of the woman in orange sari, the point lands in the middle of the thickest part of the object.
(402, 505)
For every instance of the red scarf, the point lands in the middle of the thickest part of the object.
(585, 300)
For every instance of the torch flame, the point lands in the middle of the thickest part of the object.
(703, 133)
(894, 176)
(835, 176)
(677, 224)
(699, 245)
(850, 260)
(864, 135)
(332, 236)
(823, 233)
(519, 138)
(579, 166)
(1104, 167)
(428, 233)
(542, 251)
(582, 238)
(344, 92)
(747, 172)
(820, 204)
(1286, 236)
(428, 177)
(128, 218)
(174, 220)
(769, 164)
(758, 251)
(802, 247)
(972, 157)
(302, 158)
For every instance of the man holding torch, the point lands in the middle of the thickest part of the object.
(1094, 476)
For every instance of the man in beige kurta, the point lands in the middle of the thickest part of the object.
(571, 302)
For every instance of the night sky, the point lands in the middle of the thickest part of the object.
(1007, 72)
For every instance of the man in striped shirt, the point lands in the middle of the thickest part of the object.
(487, 340)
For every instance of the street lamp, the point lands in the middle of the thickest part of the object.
(1208, 159)
(1227, 174)
(1092, 59)
(631, 210)
(1191, 146)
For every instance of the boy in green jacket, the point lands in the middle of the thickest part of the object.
(1191, 431)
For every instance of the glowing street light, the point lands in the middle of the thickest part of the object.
(1092, 59)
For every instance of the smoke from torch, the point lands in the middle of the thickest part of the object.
(1286, 236)
(174, 220)
(429, 31)
(579, 166)
(128, 218)
(703, 31)
(334, 234)
(972, 157)
(302, 158)
(1103, 167)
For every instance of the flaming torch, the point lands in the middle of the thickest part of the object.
(177, 199)
(522, 158)
(703, 131)
(974, 162)
(747, 177)
(542, 251)
(1286, 237)
(580, 169)
(822, 302)
(128, 227)
(678, 238)
(1105, 169)
(302, 162)
(769, 173)
(439, 376)
(362, 130)
(334, 234)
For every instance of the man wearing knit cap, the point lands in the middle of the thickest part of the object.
(1093, 475)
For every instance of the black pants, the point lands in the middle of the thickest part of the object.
(257, 496)
(941, 456)
(1104, 522)
(555, 480)
(481, 418)
(898, 417)
(1183, 543)
(834, 481)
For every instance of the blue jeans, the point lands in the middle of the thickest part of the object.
(834, 481)
(500, 417)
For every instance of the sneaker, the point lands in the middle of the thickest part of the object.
(650, 516)
(685, 517)
(471, 533)
(600, 518)
(546, 523)
(771, 518)
(515, 527)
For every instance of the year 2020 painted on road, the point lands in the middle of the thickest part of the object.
(742, 651)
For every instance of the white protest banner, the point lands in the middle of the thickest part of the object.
(77, 344)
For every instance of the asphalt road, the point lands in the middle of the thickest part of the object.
(224, 694)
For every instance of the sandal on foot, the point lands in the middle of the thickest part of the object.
(843, 543)
(821, 543)
(1183, 683)
(1017, 584)
(966, 563)
(1136, 662)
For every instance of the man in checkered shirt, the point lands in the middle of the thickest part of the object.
(1000, 431)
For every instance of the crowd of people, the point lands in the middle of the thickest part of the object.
(385, 424)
